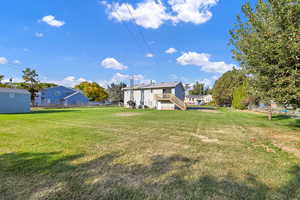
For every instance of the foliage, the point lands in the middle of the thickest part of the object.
(267, 45)
(241, 96)
(225, 85)
(31, 78)
(198, 89)
(1, 78)
(40, 85)
(93, 91)
(116, 94)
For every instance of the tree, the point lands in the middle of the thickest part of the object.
(40, 85)
(31, 78)
(93, 91)
(267, 45)
(116, 94)
(1, 78)
(198, 89)
(225, 85)
(241, 96)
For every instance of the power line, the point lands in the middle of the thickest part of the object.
(128, 29)
(140, 32)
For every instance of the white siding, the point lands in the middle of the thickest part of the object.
(149, 97)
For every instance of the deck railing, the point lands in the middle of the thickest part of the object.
(171, 97)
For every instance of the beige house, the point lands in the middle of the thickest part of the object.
(161, 96)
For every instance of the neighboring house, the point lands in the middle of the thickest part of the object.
(162, 96)
(14, 100)
(61, 96)
(198, 99)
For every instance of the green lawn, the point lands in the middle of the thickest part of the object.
(114, 153)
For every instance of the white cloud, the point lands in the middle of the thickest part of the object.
(69, 81)
(171, 51)
(37, 34)
(3, 60)
(111, 63)
(50, 20)
(193, 11)
(119, 77)
(203, 60)
(148, 14)
(149, 55)
(17, 62)
(153, 13)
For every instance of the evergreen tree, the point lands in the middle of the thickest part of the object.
(31, 78)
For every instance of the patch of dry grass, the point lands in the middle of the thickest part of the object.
(92, 154)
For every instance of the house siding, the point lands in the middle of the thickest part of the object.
(77, 99)
(149, 97)
(11, 102)
(56, 96)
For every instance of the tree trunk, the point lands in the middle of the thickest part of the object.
(270, 112)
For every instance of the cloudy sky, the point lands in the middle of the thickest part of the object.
(104, 41)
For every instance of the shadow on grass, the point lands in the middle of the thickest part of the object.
(201, 108)
(284, 120)
(50, 176)
(48, 111)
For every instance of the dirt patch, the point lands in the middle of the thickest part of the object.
(127, 114)
(205, 139)
(286, 140)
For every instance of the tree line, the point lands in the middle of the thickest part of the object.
(92, 90)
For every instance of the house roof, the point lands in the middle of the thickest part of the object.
(12, 90)
(153, 85)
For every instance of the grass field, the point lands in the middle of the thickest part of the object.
(114, 153)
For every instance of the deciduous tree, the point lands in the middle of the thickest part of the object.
(116, 94)
(267, 45)
(93, 91)
(225, 85)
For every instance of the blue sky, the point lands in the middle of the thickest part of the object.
(71, 41)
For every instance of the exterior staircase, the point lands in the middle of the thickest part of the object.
(172, 98)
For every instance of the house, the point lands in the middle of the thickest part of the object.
(61, 96)
(198, 99)
(162, 96)
(14, 100)
(194, 99)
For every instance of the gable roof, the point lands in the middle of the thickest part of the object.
(13, 90)
(154, 86)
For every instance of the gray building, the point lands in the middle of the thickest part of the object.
(61, 96)
(14, 100)
(162, 96)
